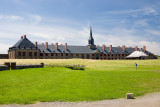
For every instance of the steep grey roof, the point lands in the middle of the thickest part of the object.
(70, 49)
(84, 49)
(23, 43)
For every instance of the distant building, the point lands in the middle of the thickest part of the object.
(25, 49)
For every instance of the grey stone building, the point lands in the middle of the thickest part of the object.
(25, 49)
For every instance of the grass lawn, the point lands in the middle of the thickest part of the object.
(100, 81)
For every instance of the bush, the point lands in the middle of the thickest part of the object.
(76, 67)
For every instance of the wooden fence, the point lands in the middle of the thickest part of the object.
(13, 66)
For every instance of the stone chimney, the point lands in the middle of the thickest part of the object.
(103, 47)
(136, 48)
(123, 48)
(144, 48)
(110, 47)
(56, 45)
(46, 45)
(21, 37)
(24, 36)
(36, 44)
(65, 45)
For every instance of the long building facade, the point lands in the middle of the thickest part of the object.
(25, 49)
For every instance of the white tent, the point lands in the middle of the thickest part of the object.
(137, 55)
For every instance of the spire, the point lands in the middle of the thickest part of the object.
(91, 31)
(90, 40)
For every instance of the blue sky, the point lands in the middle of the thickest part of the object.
(114, 22)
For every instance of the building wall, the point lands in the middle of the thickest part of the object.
(11, 54)
(24, 54)
(3, 56)
(30, 54)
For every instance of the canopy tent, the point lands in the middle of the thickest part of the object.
(137, 55)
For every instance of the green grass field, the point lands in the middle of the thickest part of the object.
(100, 80)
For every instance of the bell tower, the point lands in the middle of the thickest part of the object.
(91, 40)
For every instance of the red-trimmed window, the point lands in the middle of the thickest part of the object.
(35, 53)
(104, 54)
(19, 53)
(41, 54)
(30, 53)
(24, 53)
(100, 54)
(52, 54)
(66, 54)
(46, 54)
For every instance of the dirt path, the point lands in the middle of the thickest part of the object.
(150, 100)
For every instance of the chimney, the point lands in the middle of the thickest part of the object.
(65, 45)
(144, 48)
(36, 44)
(24, 36)
(56, 45)
(103, 47)
(136, 48)
(110, 47)
(46, 45)
(123, 48)
(21, 37)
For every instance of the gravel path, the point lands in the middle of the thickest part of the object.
(150, 100)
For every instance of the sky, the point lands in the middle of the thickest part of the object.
(114, 22)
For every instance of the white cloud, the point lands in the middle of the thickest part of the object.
(4, 48)
(149, 11)
(35, 19)
(11, 18)
(145, 11)
(154, 32)
(139, 24)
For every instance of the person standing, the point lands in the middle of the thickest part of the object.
(136, 65)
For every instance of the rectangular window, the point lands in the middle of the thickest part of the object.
(24, 53)
(66, 54)
(35, 53)
(56, 54)
(82, 56)
(104, 54)
(19, 53)
(100, 54)
(41, 54)
(46, 54)
(52, 54)
(92, 54)
(61, 54)
(30, 53)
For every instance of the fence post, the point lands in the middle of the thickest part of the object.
(42, 64)
(13, 65)
(8, 65)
